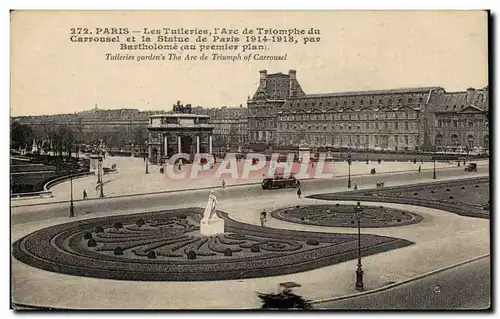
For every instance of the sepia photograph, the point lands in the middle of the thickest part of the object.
(250, 160)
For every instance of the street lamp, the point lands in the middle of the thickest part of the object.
(101, 177)
(147, 161)
(71, 206)
(359, 270)
(349, 171)
(434, 171)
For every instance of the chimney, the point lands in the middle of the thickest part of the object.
(292, 76)
(263, 78)
(470, 95)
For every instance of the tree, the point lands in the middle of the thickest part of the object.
(284, 300)
(21, 135)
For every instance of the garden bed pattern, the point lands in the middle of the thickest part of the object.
(340, 215)
(167, 246)
(467, 197)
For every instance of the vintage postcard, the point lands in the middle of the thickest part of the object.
(250, 160)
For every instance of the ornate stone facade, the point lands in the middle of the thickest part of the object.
(402, 119)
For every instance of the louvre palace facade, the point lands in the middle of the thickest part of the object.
(417, 119)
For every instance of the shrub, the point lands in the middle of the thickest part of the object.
(448, 190)
(312, 242)
(451, 197)
(255, 248)
(381, 207)
(352, 222)
(191, 255)
(337, 204)
(99, 229)
(373, 171)
(228, 252)
(140, 223)
(151, 254)
(118, 225)
(403, 213)
(87, 235)
(302, 218)
(463, 187)
(399, 220)
(118, 251)
(298, 206)
(415, 194)
(476, 186)
(91, 243)
(162, 170)
(432, 192)
(182, 216)
(285, 212)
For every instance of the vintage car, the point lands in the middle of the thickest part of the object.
(471, 168)
(278, 181)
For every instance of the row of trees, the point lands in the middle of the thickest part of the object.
(59, 139)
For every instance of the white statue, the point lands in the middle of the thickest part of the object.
(210, 208)
(211, 224)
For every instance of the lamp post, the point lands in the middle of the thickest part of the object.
(349, 171)
(359, 269)
(71, 206)
(434, 171)
(101, 177)
(147, 160)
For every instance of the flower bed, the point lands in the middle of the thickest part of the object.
(345, 216)
(125, 254)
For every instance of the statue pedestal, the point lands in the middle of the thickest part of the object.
(212, 226)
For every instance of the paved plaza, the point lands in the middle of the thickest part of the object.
(131, 178)
(441, 239)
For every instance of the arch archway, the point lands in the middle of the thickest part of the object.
(438, 140)
(454, 140)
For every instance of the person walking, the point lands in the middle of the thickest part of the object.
(223, 183)
(299, 192)
(84, 194)
(419, 168)
(355, 186)
(263, 219)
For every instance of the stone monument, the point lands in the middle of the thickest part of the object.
(211, 224)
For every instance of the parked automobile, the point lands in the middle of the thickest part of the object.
(280, 182)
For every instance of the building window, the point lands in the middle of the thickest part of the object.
(454, 139)
(396, 139)
(361, 102)
(406, 126)
(353, 102)
(406, 139)
(421, 99)
(376, 125)
(345, 103)
(390, 101)
(438, 140)
(400, 100)
(471, 124)
(386, 125)
(470, 141)
(410, 100)
(455, 123)
(371, 102)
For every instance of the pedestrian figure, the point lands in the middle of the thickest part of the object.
(84, 194)
(263, 219)
(223, 183)
(422, 161)
(299, 192)
(419, 168)
(355, 186)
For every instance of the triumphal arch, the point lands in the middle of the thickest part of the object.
(180, 131)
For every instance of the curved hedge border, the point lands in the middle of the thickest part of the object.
(51, 249)
(342, 215)
(373, 196)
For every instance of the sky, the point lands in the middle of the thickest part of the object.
(358, 50)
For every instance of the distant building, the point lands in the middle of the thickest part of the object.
(281, 114)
